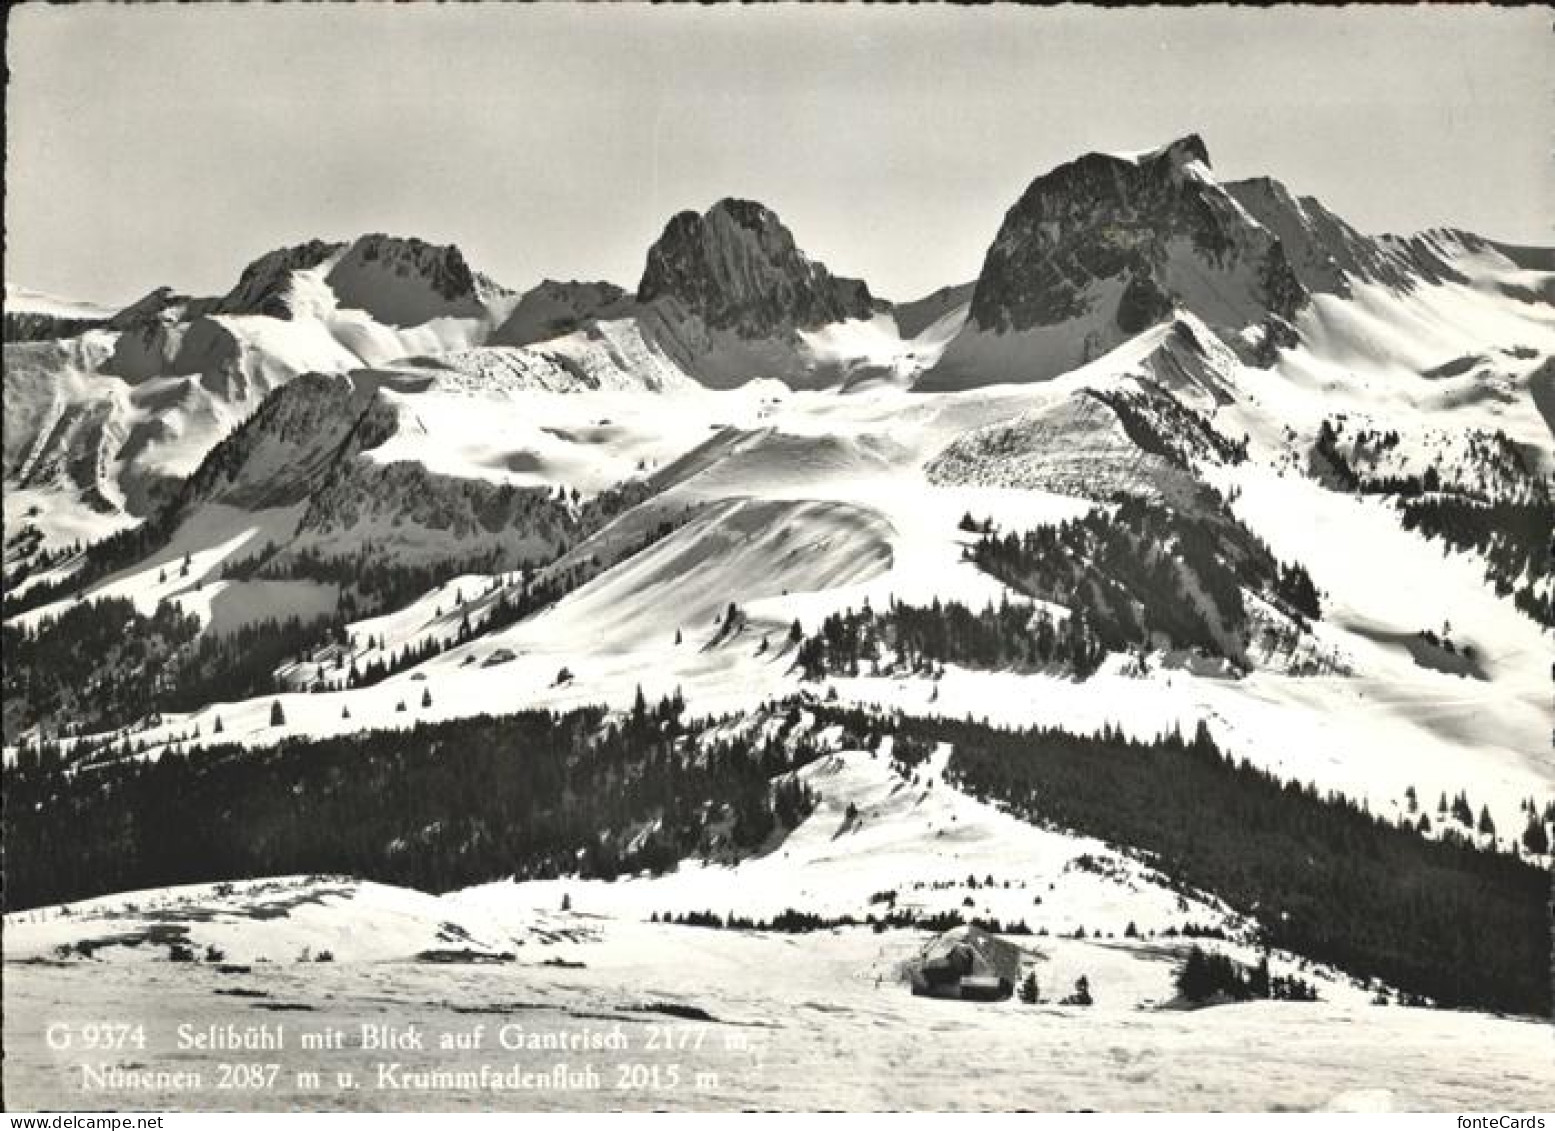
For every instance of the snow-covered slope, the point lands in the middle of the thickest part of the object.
(862, 499)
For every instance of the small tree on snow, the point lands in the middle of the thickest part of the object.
(1082, 992)
(1029, 991)
(277, 716)
(426, 697)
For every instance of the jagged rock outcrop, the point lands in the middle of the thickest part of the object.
(736, 267)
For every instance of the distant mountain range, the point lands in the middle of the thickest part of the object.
(1186, 455)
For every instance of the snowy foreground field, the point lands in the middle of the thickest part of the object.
(709, 1019)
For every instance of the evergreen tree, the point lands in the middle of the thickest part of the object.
(426, 697)
(1487, 827)
(277, 716)
(1082, 992)
(1258, 979)
(1535, 838)
(1029, 992)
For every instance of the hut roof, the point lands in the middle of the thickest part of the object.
(968, 952)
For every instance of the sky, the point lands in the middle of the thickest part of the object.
(172, 144)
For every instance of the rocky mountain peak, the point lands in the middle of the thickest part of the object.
(162, 307)
(1179, 153)
(443, 266)
(1139, 234)
(738, 268)
(265, 287)
(405, 281)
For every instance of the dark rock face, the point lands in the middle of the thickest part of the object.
(298, 432)
(304, 444)
(162, 307)
(555, 308)
(1143, 304)
(737, 267)
(444, 268)
(1139, 221)
(913, 318)
(1326, 254)
(36, 326)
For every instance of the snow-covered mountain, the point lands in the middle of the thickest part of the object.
(109, 411)
(726, 297)
(34, 316)
(736, 267)
(105, 420)
(1188, 459)
(1108, 245)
